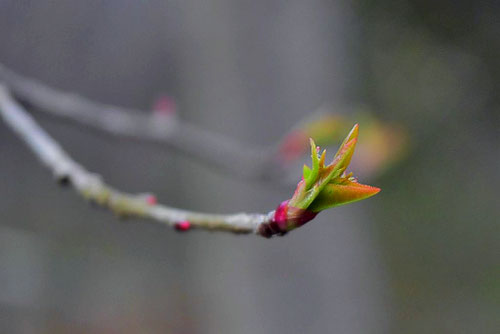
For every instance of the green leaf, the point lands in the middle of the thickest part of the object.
(326, 186)
(311, 177)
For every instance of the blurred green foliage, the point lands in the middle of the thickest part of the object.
(432, 65)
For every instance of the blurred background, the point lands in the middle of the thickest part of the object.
(420, 257)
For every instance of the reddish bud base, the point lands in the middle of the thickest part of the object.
(281, 214)
(283, 222)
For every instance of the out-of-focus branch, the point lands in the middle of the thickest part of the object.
(207, 147)
(92, 187)
(383, 144)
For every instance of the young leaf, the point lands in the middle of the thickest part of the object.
(335, 194)
(323, 186)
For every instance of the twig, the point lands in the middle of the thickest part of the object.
(93, 188)
(207, 147)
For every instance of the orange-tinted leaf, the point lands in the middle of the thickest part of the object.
(335, 194)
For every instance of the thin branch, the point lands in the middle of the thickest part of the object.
(207, 147)
(92, 187)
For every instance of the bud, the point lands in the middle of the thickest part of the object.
(321, 187)
(151, 199)
(183, 225)
(164, 105)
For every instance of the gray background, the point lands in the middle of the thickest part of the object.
(420, 257)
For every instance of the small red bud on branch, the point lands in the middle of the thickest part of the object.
(183, 226)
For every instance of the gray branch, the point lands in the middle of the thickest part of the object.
(91, 186)
(207, 147)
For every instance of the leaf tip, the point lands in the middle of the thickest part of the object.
(353, 133)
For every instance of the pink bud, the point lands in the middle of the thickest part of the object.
(164, 106)
(183, 225)
(151, 200)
